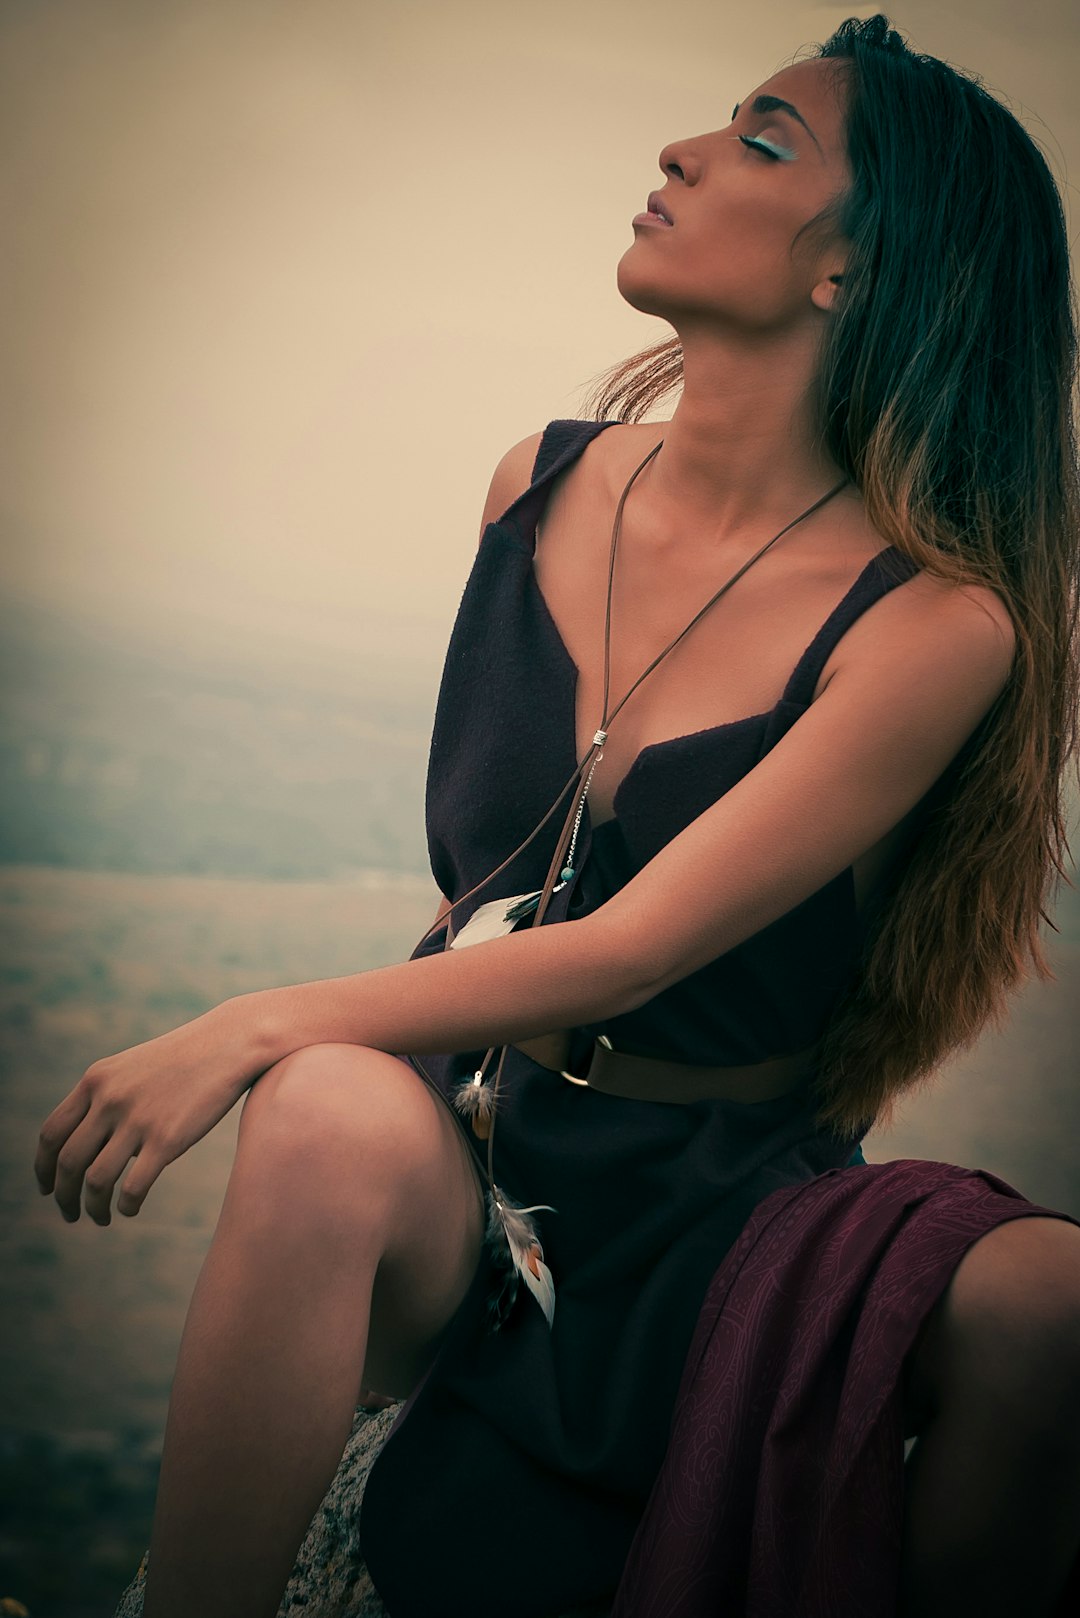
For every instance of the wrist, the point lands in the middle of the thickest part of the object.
(259, 1014)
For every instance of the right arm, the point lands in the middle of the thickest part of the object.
(208, 1062)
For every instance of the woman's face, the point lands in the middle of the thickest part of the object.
(726, 261)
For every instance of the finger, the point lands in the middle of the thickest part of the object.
(103, 1173)
(149, 1162)
(54, 1133)
(74, 1158)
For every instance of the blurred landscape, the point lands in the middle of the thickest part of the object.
(176, 831)
(176, 826)
(162, 755)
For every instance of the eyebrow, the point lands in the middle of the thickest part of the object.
(763, 104)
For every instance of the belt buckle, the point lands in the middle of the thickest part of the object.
(602, 1039)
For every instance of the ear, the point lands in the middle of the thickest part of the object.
(826, 292)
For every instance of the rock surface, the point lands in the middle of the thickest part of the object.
(329, 1579)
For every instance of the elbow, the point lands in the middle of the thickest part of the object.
(635, 971)
(650, 980)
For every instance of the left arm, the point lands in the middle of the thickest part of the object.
(911, 689)
(919, 673)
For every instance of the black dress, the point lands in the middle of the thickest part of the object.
(513, 1479)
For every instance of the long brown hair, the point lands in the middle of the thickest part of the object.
(945, 389)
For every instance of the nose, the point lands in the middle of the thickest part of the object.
(677, 160)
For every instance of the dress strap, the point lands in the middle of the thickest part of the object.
(561, 442)
(881, 574)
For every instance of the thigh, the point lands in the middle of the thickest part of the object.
(358, 1148)
(1010, 1313)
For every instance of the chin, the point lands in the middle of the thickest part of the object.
(640, 290)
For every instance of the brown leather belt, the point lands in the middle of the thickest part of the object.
(652, 1078)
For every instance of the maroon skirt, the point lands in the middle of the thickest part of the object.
(781, 1490)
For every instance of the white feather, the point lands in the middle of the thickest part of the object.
(489, 921)
(509, 1221)
(474, 1097)
(541, 1284)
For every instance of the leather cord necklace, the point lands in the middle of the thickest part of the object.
(508, 1223)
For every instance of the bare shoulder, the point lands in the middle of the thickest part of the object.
(603, 466)
(932, 633)
(510, 478)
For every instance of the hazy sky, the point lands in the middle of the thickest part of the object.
(281, 281)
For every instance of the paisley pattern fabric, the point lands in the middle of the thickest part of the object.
(781, 1493)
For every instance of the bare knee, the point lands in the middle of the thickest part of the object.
(331, 1123)
(1006, 1330)
(357, 1141)
(345, 1153)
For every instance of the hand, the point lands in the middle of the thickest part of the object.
(150, 1103)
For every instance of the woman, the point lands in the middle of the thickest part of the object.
(807, 862)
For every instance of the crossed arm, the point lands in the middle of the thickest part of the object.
(894, 714)
(920, 670)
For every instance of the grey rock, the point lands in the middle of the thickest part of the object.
(329, 1579)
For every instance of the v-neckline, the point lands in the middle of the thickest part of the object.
(649, 747)
(522, 518)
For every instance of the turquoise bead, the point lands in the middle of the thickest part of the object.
(565, 875)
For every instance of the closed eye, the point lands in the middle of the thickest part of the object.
(775, 152)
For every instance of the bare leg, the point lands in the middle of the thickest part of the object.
(346, 1166)
(992, 1485)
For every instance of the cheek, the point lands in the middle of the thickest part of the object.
(743, 252)
(753, 229)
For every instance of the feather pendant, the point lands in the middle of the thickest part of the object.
(516, 1241)
(492, 920)
(476, 1101)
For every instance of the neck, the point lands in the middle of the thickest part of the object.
(739, 450)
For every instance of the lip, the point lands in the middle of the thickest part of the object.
(657, 204)
(651, 219)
